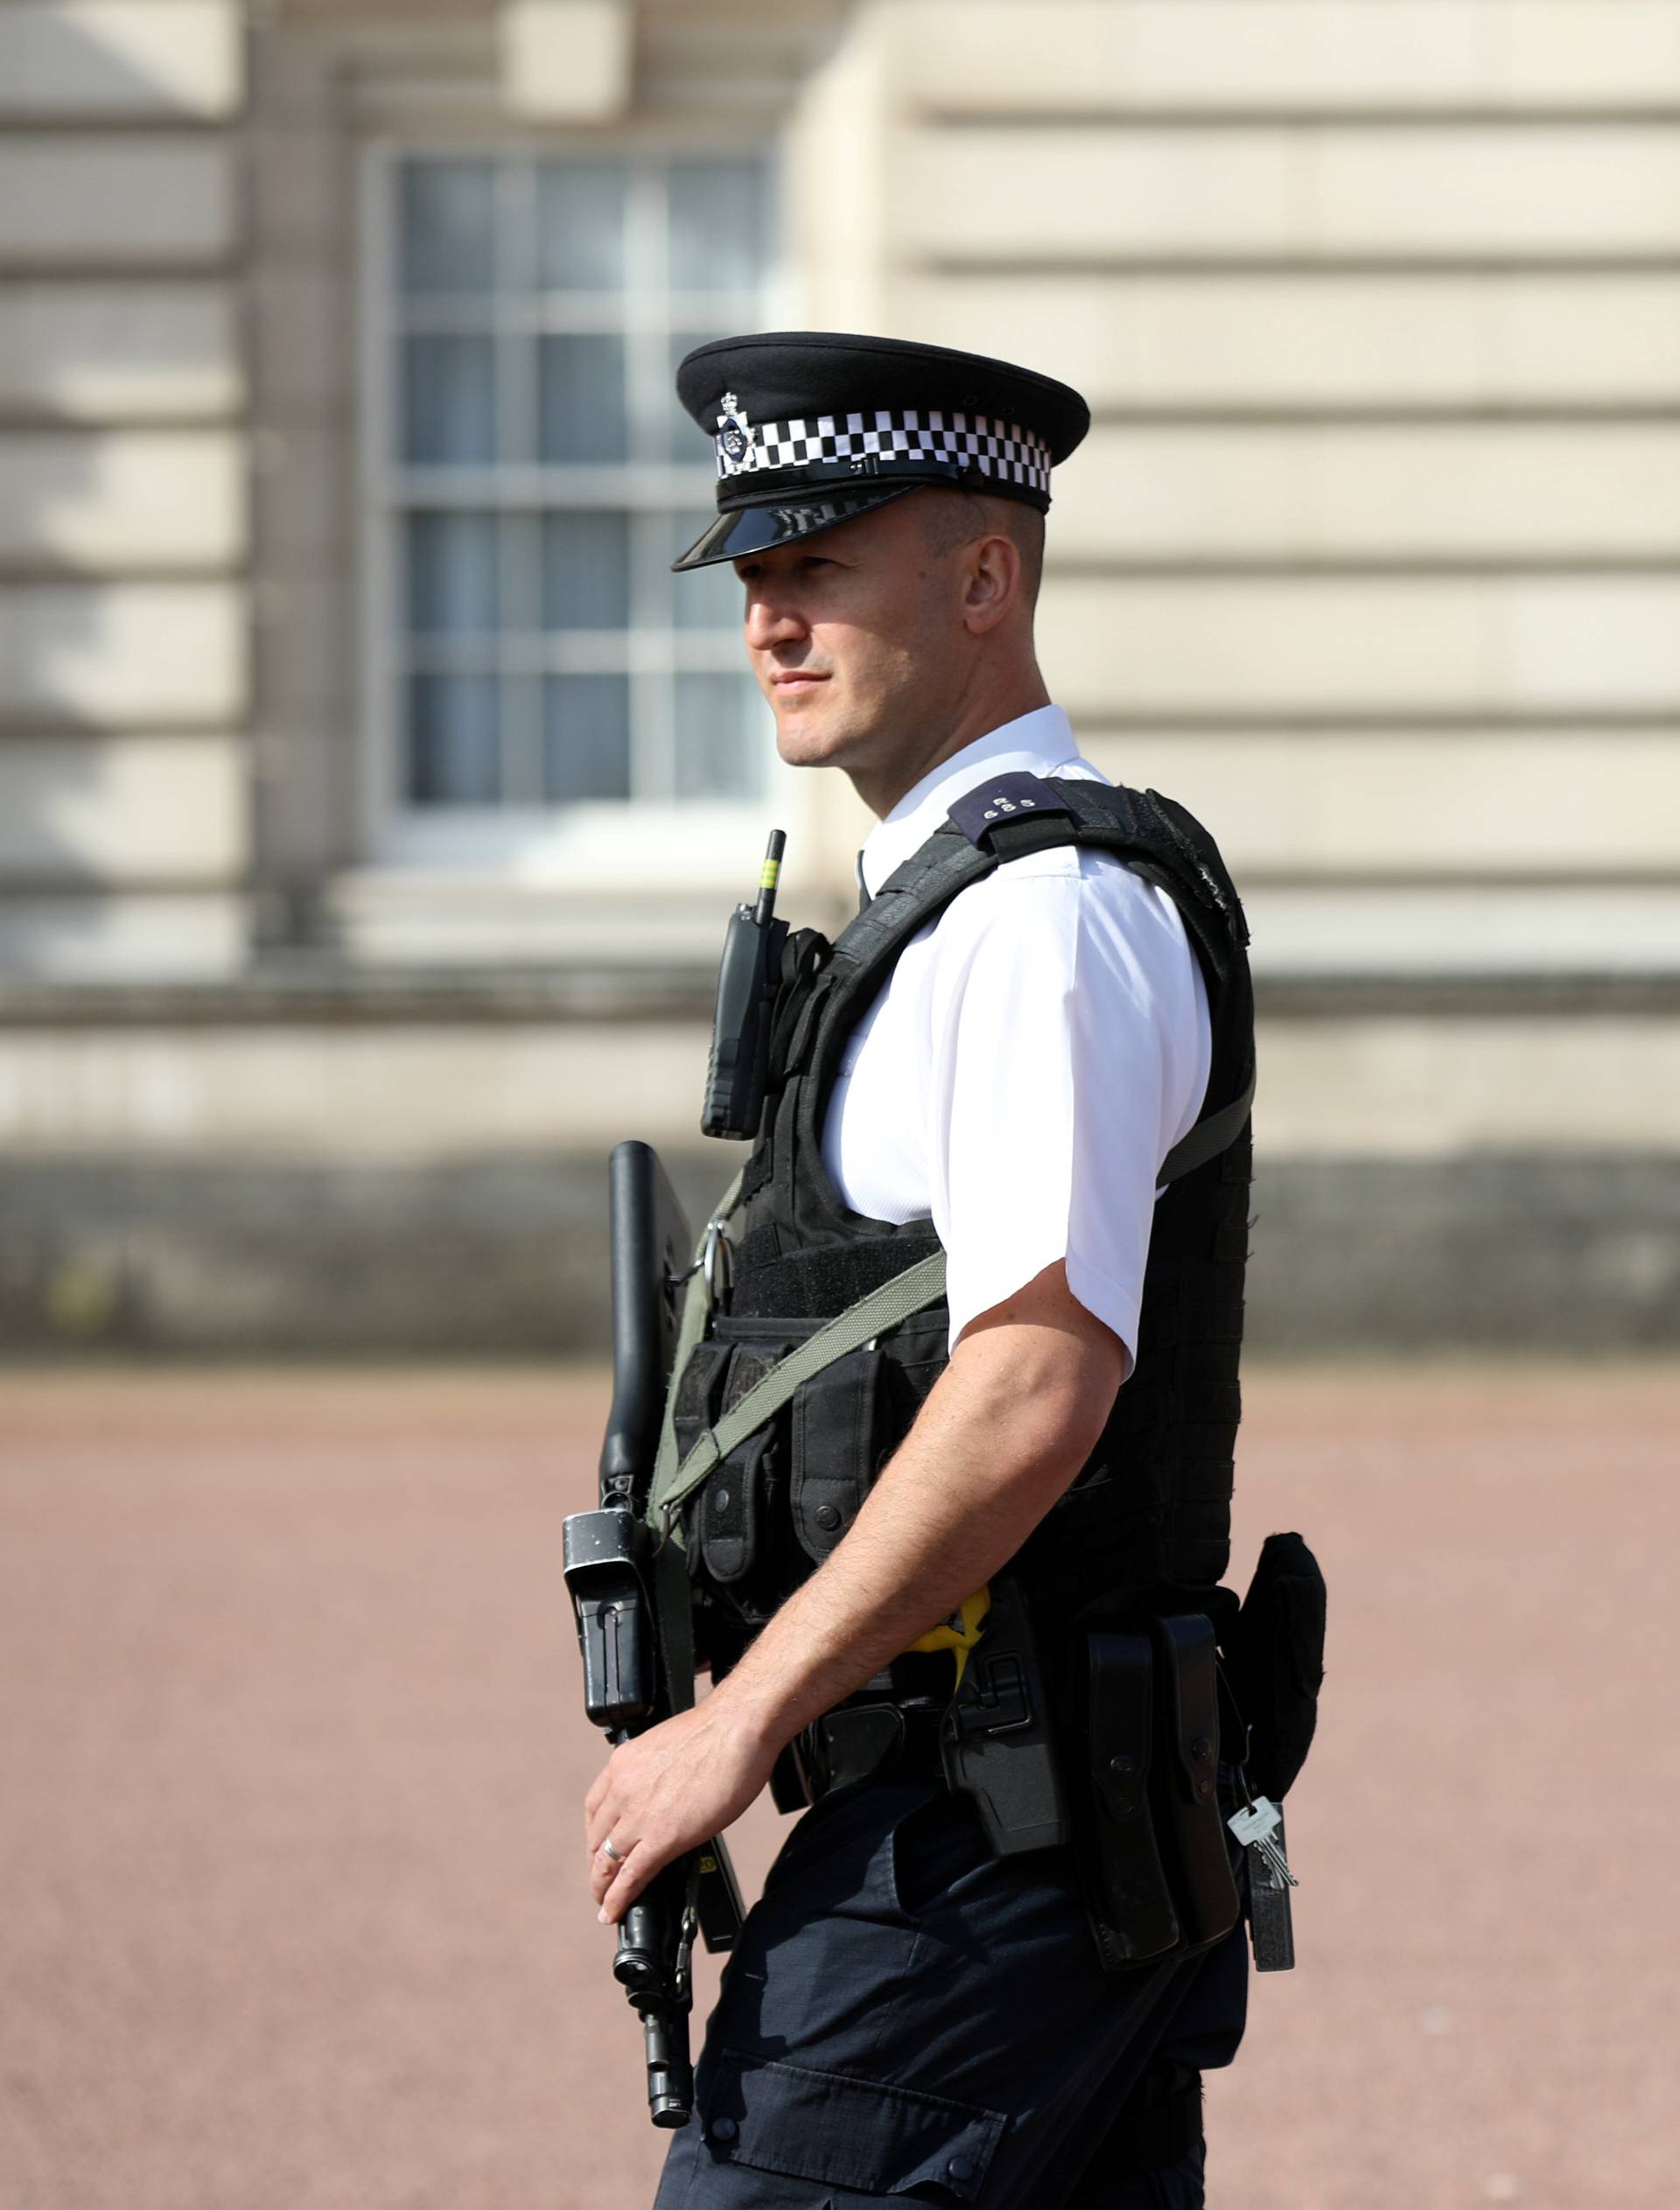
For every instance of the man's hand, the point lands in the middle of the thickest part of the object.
(666, 1792)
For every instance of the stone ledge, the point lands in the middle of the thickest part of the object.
(481, 1256)
(312, 993)
(325, 995)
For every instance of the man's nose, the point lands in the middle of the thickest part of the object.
(771, 620)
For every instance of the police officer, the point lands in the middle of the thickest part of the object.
(1031, 1054)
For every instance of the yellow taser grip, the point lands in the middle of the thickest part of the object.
(960, 1632)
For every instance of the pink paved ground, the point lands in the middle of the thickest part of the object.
(293, 1913)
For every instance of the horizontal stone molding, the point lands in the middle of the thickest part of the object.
(378, 1092)
(1454, 192)
(123, 654)
(439, 917)
(62, 937)
(1396, 343)
(161, 202)
(1415, 492)
(1229, 649)
(1393, 1086)
(121, 353)
(1409, 1086)
(115, 810)
(981, 56)
(121, 501)
(308, 991)
(1579, 802)
(122, 58)
(313, 991)
(1431, 931)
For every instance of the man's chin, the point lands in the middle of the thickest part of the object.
(808, 739)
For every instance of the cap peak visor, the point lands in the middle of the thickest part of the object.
(783, 520)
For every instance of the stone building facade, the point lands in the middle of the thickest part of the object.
(370, 805)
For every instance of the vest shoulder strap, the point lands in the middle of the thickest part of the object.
(1018, 814)
(1211, 1135)
(1013, 814)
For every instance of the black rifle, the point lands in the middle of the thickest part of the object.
(610, 1567)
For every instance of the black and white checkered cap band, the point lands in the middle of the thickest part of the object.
(887, 437)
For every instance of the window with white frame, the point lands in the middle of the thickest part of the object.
(540, 477)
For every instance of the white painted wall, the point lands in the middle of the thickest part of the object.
(1252, 56)
(102, 353)
(124, 467)
(127, 60)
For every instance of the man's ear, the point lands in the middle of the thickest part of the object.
(992, 582)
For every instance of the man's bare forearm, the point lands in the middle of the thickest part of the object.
(1004, 1432)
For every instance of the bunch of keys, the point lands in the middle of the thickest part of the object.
(1259, 1827)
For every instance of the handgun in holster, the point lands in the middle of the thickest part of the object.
(995, 1744)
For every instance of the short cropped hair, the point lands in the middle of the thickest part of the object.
(954, 515)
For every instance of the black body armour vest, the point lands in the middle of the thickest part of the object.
(1150, 1512)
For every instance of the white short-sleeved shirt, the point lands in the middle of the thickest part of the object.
(1036, 1051)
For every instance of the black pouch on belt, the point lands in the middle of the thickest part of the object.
(1153, 1856)
(1276, 1652)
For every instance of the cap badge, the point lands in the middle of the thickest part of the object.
(734, 438)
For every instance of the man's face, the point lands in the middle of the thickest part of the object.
(855, 635)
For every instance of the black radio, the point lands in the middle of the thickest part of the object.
(747, 983)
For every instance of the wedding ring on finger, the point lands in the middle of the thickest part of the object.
(608, 1850)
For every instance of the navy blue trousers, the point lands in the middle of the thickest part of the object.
(907, 2016)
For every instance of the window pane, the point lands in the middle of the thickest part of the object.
(515, 240)
(587, 736)
(718, 230)
(449, 217)
(580, 216)
(450, 392)
(583, 411)
(724, 737)
(704, 598)
(453, 579)
(454, 742)
(586, 571)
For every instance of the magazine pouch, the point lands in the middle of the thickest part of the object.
(1153, 1850)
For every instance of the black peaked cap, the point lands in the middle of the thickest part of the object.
(822, 425)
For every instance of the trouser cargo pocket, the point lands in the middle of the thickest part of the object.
(835, 2131)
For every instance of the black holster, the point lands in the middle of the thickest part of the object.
(1276, 1652)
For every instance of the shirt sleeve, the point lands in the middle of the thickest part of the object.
(1070, 1050)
